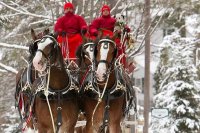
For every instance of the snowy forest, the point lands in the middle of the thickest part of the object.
(177, 76)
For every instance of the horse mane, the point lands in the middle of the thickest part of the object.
(79, 55)
(59, 57)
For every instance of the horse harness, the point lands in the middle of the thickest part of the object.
(67, 93)
(89, 87)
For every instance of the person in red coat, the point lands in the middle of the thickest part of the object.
(104, 22)
(69, 29)
(107, 24)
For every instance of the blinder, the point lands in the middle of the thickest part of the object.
(86, 45)
(55, 46)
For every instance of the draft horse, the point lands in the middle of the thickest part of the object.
(56, 107)
(24, 80)
(84, 55)
(104, 90)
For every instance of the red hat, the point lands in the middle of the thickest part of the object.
(105, 7)
(68, 5)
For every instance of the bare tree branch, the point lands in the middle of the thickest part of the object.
(25, 13)
(8, 68)
(24, 23)
(13, 46)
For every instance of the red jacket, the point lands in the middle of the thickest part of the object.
(104, 22)
(70, 23)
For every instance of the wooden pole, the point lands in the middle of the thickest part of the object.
(147, 67)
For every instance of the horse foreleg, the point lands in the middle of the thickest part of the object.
(115, 128)
(89, 128)
(116, 115)
(41, 130)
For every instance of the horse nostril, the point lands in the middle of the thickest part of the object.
(40, 63)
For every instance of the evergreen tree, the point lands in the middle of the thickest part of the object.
(176, 90)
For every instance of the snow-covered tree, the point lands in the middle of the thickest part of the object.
(176, 90)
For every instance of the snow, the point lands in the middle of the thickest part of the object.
(181, 109)
(25, 12)
(178, 86)
(1, 54)
(166, 97)
(3, 71)
(160, 11)
(197, 84)
(8, 68)
(140, 61)
(193, 25)
(13, 46)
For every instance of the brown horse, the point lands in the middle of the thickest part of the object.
(24, 79)
(103, 91)
(85, 55)
(56, 107)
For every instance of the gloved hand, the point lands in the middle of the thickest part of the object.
(127, 29)
(94, 32)
(60, 32)
(63, 34)
(84, 30)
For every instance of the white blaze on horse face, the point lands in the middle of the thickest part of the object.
(101, 68)
(38, 56)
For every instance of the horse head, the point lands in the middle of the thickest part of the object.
(48, 53)
(85, 53)
(105, 54)
(35, 39)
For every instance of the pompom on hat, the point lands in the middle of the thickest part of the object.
(68, 5)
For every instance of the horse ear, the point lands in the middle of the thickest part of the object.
(33, 34)
(59, 57)
(55, 35)
(100, 34)
(85, 40)
(46, 31)
(79, 55)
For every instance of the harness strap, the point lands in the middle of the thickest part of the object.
(107, 40)
(59, 115)
(30, 114)
(103, 61)
(106, 117)
(84, 77)
(42, 53)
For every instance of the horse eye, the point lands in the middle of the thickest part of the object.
(105, 46)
